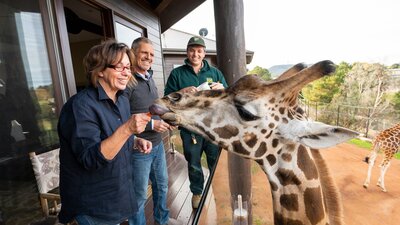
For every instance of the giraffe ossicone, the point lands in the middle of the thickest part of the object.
(389, 141)
(262, 120)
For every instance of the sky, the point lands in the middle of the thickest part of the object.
(307, 31)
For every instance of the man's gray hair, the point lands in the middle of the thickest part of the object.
(137, 41)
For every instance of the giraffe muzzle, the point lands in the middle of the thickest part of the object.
(165, 114)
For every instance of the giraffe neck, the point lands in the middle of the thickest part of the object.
(302, 196)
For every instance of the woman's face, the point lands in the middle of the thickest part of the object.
(116, 76)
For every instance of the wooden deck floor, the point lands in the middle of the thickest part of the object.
(179, 199)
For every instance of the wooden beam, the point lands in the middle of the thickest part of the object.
(162, 6)
(231, 58)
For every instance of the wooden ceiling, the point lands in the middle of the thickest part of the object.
(170, 11)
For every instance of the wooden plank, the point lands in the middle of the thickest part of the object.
(179, 199)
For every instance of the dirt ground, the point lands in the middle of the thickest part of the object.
(361, 206)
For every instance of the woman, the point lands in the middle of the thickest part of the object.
(96, 138)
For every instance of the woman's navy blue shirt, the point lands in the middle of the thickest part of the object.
(89, 183)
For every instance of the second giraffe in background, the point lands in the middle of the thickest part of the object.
(389, 141)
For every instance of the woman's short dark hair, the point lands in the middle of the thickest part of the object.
(109, 52)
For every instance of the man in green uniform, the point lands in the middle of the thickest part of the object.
(189, 78)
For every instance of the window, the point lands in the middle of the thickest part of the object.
(28, 120)
(126, 32)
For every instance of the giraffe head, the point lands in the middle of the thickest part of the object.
(261, 120)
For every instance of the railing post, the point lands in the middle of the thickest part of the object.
(367, 126)
(316, 111)
(338, 115)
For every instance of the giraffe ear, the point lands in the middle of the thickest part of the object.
(315, 134)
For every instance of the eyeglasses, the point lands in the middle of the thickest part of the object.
(120, 68)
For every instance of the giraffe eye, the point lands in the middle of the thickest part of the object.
(246, 115)
(175, 96)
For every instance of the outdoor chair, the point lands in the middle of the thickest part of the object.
(46, 167)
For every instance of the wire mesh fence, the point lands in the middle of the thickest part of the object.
(356, 118)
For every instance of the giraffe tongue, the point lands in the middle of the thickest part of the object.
(156, 109)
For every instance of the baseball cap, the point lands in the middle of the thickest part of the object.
(196, 40)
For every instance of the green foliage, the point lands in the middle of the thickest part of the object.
(361, 143)
(324, 89)
(395, 66)
(396, 101)
(261, 72)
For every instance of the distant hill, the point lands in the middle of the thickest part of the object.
(279, 69)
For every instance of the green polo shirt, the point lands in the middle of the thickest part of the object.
(184, 76)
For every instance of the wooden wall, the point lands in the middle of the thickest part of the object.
(148, 20)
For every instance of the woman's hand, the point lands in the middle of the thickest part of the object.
(142, 145)
(137, 123)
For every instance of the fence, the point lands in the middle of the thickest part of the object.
(353, 117)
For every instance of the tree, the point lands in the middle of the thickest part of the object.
(395, 66)
(365, 89)
(323, 90)
(261, 72)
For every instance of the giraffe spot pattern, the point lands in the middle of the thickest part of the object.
(206, 104)
(306, 164)
(272, 100)
(271, 125)
(211, 94)
(274, 186)
(226, 132)
(268, 135)
(260, 162)
(289, 201)
(299, 111)
(223, 145)
(279, 219)
(287, 177)
(208, 134)
(271, 159)
(290, 147)
(238, 148)
(289, 114)
(263, 131)
(262, 149)
(282, 110)
(286, 157)
(314, 206)
(207, 121)
(250, 139)
(192, 103)
(275, 142)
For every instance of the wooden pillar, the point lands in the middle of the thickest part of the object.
(231, 59)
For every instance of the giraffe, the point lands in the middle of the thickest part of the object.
(389, 141)
(262, 121)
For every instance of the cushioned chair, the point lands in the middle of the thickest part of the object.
(46, 167)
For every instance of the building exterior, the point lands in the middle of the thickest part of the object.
(42, 45)
(174, 49)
